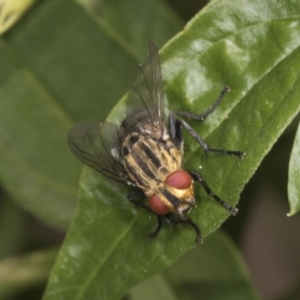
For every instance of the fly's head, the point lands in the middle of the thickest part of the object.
(175, 195)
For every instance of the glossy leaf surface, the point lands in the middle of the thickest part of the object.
(213, 271)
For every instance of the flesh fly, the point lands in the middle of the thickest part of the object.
(145, 152)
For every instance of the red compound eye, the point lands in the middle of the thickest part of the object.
(180, 180)
(157, 205)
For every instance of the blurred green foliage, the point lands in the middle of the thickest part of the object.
(66, 62)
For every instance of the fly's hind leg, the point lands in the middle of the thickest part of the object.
(203, 116)
(176, 124)
(189, 221)
(228, 207)
(207, 148)
(131, 197)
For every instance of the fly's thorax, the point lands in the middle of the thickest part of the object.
(142, 122)
(148, 160)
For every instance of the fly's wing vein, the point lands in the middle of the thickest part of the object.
(96, 145)
(147, 92)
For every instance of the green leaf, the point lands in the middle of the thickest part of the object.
(152, 19)
(12, 226)
(31, 125)
(156, 287)
(55, 73)
(215, 270)
(294, 176)
(251, 46)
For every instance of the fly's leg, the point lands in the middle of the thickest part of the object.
(176, 135)
(203, 116)
(153, 234)
(228, 207)
(207, 148)
(135, 193)
(176, 131)
(189, 221)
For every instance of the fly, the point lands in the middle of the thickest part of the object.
(146, 152)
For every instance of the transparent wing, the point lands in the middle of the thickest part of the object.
(96, 145)
(147, 92)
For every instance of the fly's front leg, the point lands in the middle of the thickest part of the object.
(189, 221)
(137, 193)
(203, 116)
(228, 207)
(131, 197)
